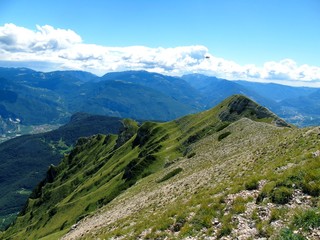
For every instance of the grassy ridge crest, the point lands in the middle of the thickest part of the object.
(102, 168)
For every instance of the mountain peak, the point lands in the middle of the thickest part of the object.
(239, 106)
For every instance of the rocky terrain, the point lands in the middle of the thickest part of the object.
(214, 166)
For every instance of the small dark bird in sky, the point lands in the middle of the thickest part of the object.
(207, 57)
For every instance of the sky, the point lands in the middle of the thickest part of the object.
(255, 40)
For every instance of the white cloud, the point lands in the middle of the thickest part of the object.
(19, 39)
(64, 49)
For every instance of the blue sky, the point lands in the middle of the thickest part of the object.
(269, 35)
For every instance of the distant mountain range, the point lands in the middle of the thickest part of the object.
(285, 101)
(49, 98)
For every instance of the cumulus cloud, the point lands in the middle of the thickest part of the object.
(18, 39)
(64, 49)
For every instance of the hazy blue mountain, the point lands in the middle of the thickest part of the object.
(40, 98)
(81, 75)
(174, 87)
(298, 105)
(31, 105)
(277, 92)
(29, 76)
(302, 110)
(15, 73)
(37, 98)
(214, 90)
(199, 81)
(127, 99)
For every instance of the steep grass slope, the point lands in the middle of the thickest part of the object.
(24, 160)
(207, 174)
(258, 182)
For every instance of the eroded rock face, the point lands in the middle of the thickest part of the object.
(241, 106)
(280, 123)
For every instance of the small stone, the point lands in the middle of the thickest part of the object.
(298, 201)
(316, 153)
(215, 221)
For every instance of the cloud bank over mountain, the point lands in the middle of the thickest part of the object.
(53, 48)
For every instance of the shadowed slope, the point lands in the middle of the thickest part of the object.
(25, 159)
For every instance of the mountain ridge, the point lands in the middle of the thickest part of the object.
(216, 192)
(152, 154)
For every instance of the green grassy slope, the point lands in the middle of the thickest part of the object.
(259, 175)
(25, 159)
(175, 179)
